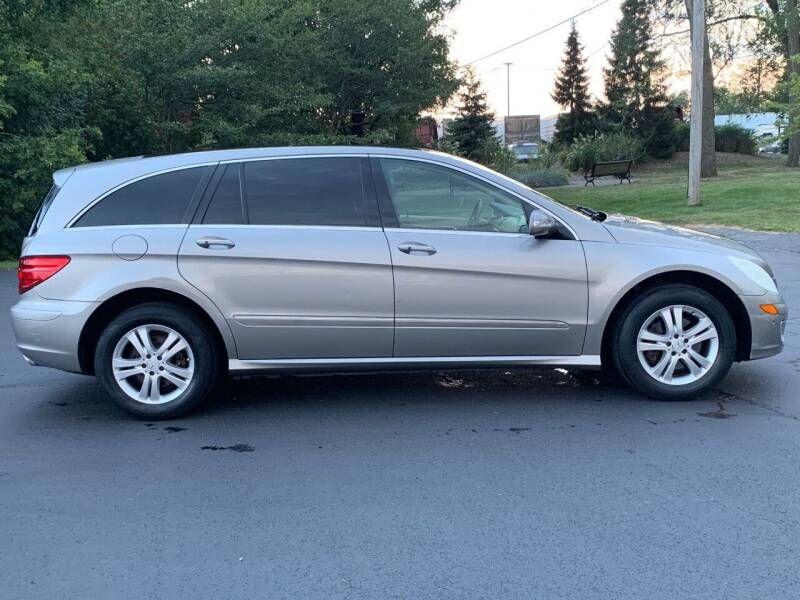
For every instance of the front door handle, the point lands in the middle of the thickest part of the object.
(416, 248)
(213, 241)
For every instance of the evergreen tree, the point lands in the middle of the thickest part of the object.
(636, 98)
(472, 130)
(632, 78)
(572, 93)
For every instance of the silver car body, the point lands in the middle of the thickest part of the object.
(336, 298)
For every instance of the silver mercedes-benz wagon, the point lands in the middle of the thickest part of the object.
(162, 275)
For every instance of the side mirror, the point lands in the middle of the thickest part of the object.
(540, 224)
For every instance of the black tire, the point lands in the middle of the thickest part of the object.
(205, 355)
(624, 341)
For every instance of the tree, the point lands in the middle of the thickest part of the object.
(42, 101)
(571, 92)
(635, 93)
(744, 99)
(472, 130)
(732, 26)
(786, 26)
(708, 155)
(96, 79)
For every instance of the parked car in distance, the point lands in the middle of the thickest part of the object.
(525, 151)
(162, 275)
(773, 148)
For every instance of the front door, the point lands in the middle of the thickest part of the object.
(291, 252)
(469, 278)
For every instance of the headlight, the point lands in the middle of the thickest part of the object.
(755, 273)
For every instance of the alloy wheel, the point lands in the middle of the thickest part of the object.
(677, 345)
(153, 364)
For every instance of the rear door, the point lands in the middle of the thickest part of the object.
(469, 278)
(291, 251)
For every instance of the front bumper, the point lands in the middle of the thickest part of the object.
(767, 331)
(47, 331)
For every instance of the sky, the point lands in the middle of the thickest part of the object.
(478, 27)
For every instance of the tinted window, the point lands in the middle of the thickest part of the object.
(226, 205)
(305, 191)
(158, 200)
(46, 203)
(426, 196)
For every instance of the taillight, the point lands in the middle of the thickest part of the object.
(33, 270)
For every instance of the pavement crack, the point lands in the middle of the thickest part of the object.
(772, 409)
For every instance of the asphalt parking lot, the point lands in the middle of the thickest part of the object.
(523, 484)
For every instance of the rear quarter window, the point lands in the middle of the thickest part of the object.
(157, 200)
(46, 204)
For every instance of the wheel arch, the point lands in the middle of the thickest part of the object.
(112, 306)
(703, 281)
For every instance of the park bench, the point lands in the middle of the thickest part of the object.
(613, 168)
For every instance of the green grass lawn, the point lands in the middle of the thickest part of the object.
(8, 264)
(758, 195)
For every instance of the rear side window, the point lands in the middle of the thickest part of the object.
(226, 205)
(157, 200)
(46, 203)
(305, 191)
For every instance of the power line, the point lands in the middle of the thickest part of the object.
(591, 54)
(538, 33)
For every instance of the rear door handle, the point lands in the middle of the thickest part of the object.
(416, 248)
(213, 241)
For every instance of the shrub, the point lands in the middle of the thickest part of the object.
(497, 156)
(658, 132)
(586, 151)
(540, 177)
(682, 136)
(549, 155)
(735, 138)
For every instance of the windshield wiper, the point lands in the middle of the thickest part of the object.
(594, 215)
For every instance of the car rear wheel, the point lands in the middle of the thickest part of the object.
(156, 362)
(674, 343)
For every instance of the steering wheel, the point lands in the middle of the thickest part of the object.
(473, 218)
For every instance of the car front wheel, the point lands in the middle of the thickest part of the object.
(156, 362)
(674, 343)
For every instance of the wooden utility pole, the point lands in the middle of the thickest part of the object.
(508, 88)
(698, 18)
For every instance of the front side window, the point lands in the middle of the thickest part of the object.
(426, 196)
(157, 200)
(305, 191)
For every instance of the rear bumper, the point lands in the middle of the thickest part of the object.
(47, 331)
(767, 331)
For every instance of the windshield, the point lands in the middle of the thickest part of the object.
(525, 149)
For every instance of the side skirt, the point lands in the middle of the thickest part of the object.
(290, 365)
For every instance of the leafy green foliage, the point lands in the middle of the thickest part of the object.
(735, 138)
(682, 133)
(585, 151)
(635, 92)
(96, 79)
(747, 100)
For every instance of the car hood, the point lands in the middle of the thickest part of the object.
(632, 230)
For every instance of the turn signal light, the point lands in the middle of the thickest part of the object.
(770, 309)
(33, 270)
